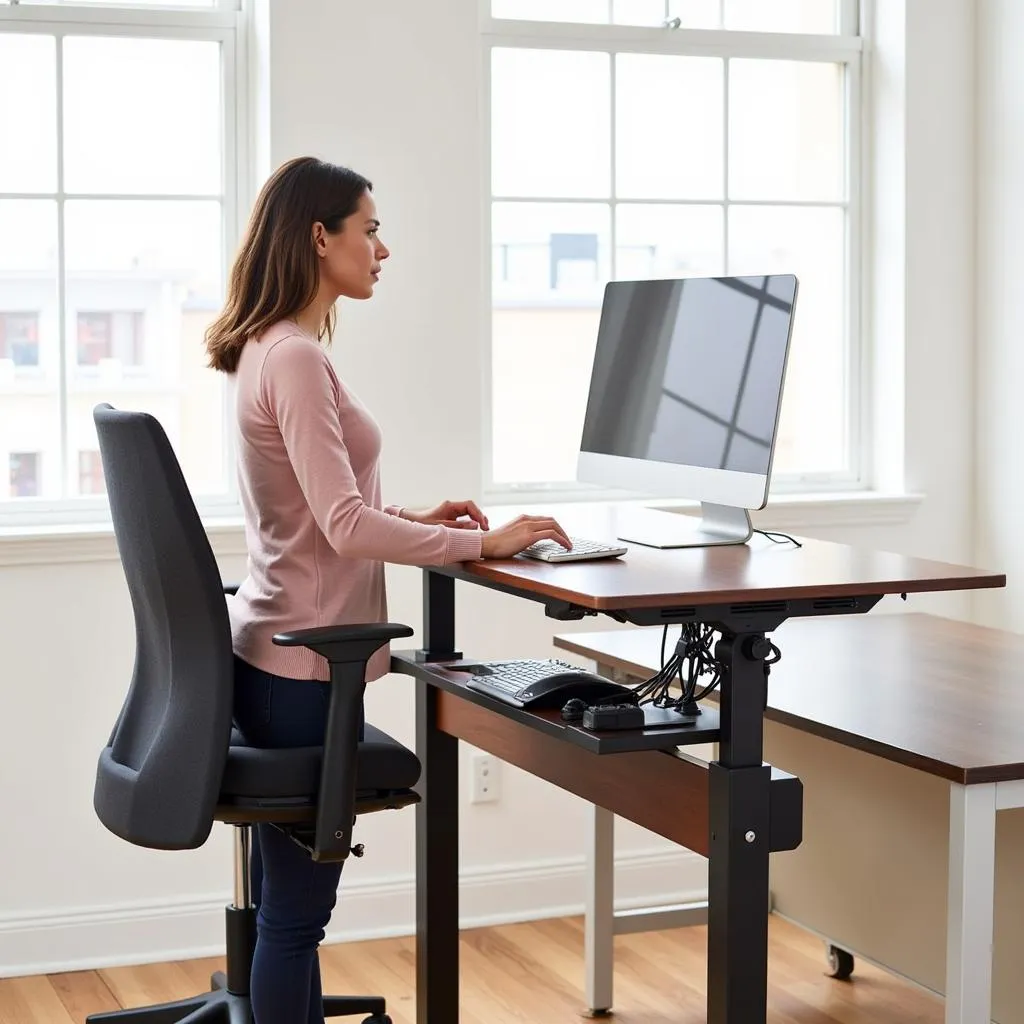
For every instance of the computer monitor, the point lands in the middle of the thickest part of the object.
(684, 401)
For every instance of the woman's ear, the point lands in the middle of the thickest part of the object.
(319, 241)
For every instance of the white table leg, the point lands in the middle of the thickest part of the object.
(599, 922)
(972, 866)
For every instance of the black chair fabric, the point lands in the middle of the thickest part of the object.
(252, 772)
(159, 777)
(173, 756)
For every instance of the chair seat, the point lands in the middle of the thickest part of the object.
(294, 772)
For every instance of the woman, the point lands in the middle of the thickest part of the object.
(317, 537)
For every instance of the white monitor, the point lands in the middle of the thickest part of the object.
(684, 401)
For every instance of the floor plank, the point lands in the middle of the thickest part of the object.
(31, 1001)
(82, 993)
(512, 974)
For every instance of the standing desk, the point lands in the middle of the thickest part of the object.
(725, 810)
(908, 757)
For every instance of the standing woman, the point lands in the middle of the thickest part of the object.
(317, 536)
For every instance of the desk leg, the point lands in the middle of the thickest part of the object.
(437, 828)
(599, 920)
(972, 858)
(437, 867)
(739, 841)
(438, 618)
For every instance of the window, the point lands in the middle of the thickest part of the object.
(110, 336)
(19, 338)
(119, 200)
(23, 474)
(634, 139)
(90, 473)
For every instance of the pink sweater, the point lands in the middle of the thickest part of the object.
(317, 537)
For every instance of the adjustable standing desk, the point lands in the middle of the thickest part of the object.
(733, 811)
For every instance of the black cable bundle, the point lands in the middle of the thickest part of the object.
(693, 657)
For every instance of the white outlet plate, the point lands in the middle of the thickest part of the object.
(484, 779)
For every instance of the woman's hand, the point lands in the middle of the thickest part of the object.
(449, 513)
(511, 538)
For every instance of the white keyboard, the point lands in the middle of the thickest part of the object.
(581, 550)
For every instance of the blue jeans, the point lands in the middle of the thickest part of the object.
(294, 896)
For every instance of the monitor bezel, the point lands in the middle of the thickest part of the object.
(677, 480)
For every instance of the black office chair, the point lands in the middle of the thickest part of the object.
(174, 765)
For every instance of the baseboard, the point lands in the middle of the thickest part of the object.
(135, 933)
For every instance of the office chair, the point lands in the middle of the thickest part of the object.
(174, 765)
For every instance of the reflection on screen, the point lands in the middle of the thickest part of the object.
(690, 371)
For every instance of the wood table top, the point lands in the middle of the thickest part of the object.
(647, 578)
(939, 695)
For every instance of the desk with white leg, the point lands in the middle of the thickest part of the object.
(907, 753)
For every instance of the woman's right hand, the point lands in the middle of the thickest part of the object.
(508, 540)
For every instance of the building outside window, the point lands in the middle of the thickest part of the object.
(24, 479)
(118, 336)
(19, 338)
(90, 473)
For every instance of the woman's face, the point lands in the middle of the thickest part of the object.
(350, 259)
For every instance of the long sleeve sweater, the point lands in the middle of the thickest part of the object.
(316, 534)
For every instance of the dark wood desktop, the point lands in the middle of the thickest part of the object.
(736, 811)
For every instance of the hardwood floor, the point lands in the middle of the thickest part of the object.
(519, 973)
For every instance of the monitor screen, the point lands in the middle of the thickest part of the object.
(690, 371)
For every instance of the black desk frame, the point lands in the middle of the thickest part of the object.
(739, 815)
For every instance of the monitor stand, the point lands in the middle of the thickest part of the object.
(717, 524)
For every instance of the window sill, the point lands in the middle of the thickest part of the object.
(783, 512)
(94, 542)
(63, 544)
(850, 508)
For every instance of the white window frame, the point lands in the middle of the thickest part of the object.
(224, 22)
(845, 47)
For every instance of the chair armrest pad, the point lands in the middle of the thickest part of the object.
(372, 631)
(341, 644)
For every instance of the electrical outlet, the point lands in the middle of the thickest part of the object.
(485, 779)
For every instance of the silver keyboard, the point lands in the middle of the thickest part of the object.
(581, 550)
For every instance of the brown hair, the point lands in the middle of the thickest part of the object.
(276, 274)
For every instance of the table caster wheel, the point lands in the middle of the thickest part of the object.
(840, 963)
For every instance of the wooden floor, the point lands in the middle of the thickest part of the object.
(519, 973)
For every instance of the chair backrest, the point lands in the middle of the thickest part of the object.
(159, 777)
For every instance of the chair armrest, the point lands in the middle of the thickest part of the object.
(342, 644)
(379, 631)
(347, 650)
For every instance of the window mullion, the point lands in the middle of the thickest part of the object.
(613, 191)
(62, 362)
(849, 17)
(725, 166)
(857, 415)
(234, 173)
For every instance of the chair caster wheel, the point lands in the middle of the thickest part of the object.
(840, 963)
(378, 1018)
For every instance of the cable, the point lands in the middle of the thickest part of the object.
(773, 536)
(693, 658)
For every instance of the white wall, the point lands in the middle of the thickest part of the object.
(391, 88)
(999, 477)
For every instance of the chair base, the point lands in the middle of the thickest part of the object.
(223, 1007)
